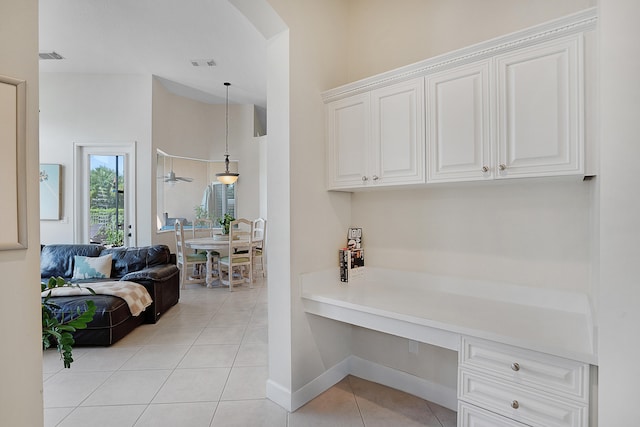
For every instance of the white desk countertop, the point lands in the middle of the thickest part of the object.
(438, 310)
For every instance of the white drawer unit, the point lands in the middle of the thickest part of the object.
(472, 416)
(544, 372)
(532, 388)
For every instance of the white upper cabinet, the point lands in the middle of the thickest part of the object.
(377, 138)
(510, 107)
(459, 124)
(348, 139)
(540, 110)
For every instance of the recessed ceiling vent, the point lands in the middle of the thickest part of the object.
(203, 62)
(50, 55)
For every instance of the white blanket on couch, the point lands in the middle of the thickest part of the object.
(135, 295)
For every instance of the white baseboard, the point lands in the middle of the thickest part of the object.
(280, 395)
(427, 390)
(366, 370)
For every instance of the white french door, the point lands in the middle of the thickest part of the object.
(104, 193)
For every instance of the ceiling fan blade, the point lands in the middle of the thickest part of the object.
(171, 177)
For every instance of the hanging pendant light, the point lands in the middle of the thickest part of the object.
(227, 177)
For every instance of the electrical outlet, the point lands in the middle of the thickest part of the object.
(413, 347)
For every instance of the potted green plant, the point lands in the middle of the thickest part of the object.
(60, 332)
(225, 222)
(201, 212)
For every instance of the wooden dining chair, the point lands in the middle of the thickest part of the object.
(240, 254)
(206, 225)
(187, 260)
(258, 237)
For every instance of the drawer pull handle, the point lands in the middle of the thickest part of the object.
(515, 366)
(515, 404)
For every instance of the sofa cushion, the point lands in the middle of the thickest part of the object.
(57, 260)
(127, 260)
(85, 267)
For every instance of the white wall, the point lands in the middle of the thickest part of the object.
(123, 108)
(98, 108)
(619, 346)
(188, 128)
(20, 326)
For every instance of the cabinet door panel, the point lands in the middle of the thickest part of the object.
(459, 124)
(348, 124)
(397, 154)
(539, 110)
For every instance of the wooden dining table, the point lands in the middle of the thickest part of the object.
(209, 244)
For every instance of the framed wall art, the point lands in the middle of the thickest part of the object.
(13, 163)
(50, 192)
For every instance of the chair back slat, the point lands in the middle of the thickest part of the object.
(240, 232)
(203, 224)
(179, 232)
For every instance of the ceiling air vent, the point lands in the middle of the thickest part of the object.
(203, 62)
(50, 55)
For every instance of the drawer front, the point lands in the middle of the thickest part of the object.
(526, 405)
(541, 371)
(472, 416)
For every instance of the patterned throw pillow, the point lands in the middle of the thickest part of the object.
(86, 267)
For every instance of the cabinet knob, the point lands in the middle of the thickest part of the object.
(502, 166)
(364, 178)
(485, 169)
(515, 366)
(375, 177)
(515, 404)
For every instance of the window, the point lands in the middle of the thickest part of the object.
(188, 189)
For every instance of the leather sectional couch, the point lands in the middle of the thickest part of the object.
(151, 266)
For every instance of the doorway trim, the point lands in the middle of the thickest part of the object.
(81, 153)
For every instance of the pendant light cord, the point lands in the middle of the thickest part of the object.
(227, 177)
(226, 136)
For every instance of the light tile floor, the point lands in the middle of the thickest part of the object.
(205, 364)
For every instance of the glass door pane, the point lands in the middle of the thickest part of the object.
(106, 199)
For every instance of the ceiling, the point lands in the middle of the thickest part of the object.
(160, 38)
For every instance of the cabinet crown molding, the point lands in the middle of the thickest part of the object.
(582, 21)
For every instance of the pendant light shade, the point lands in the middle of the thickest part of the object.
(227, 177)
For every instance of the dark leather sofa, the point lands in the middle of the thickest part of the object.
(151, 266)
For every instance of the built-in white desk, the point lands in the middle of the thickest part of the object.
(548, 326)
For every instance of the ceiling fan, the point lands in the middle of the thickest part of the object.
(171, 177)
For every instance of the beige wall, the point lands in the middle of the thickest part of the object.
(20, 326)
(530, 232)
(619, 346)
(384, 35)
(303, 61)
